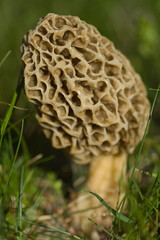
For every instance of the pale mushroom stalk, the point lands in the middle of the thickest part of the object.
(107, 178)
(105, 173)
(90, 101)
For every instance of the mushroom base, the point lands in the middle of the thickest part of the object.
(107, 177)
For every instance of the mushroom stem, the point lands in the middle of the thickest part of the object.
(107, 175)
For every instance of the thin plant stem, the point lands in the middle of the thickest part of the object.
(19, 213)
(13, 163)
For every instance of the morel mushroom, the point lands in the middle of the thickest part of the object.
(89, 98)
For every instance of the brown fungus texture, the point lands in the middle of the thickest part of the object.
(89, 98)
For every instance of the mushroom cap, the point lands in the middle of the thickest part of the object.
(89, 98)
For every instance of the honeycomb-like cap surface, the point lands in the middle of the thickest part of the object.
(89, 98)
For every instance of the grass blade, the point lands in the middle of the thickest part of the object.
(157, 212)
(7, 117)
(113, 211)
(146, 173)
(138, 189)
(5, 57)
(140, 149)
(13, 163)
(19, 213)
(54, 229)
(110, 234)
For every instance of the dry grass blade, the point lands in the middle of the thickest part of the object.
(9, 104)
(111, 235)
(54, 229)
(5, 57)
